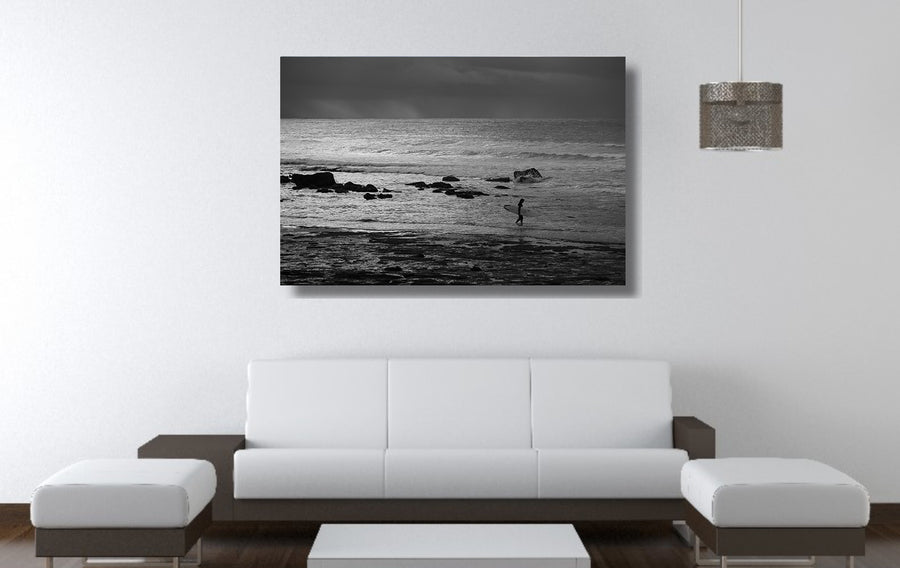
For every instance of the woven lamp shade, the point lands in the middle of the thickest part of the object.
(740, 116)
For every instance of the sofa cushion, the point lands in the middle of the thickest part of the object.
(593, 403)
(459, 474)
(124, 493)
(611, 473)
(774, 492)
(459, 403)
(313, 474)
(337, 403)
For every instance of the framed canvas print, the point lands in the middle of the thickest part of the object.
(473, 171)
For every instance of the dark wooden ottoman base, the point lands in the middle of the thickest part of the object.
(763, 541)
(121, 542)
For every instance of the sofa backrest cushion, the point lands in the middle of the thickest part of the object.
(459, 403)
(595, 403)
(317, 403)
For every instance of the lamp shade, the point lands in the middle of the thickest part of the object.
(740, 116)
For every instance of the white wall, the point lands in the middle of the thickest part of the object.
(139, 220)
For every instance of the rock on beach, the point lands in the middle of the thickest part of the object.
(317, 180)
(527, 176)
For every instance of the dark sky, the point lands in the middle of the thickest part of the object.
(453, 87)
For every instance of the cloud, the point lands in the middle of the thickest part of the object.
(418, 87)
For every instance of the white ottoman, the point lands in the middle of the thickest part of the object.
(123, 507)
(774, 506)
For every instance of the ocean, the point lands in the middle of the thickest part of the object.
(581, 200)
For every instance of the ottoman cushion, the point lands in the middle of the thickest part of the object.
(774, 492)
(124, 493)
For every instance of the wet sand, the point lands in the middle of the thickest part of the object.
(325, 256)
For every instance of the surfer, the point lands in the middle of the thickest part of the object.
(519, 211)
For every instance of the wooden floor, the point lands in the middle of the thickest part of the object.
(640, 545)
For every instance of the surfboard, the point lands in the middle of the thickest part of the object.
(515, 209)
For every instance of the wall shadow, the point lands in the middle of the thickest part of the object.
(632, 240)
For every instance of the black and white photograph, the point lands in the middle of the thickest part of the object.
(472, 171)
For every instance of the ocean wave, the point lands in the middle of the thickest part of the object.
(571, 169)
(370, 150)
(567, 156)
(407, 158)
(357, 168)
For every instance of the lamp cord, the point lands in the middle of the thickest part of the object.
(741, 40)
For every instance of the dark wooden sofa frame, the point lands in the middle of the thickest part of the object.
(697, 438)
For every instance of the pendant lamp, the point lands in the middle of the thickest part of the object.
(740, 115)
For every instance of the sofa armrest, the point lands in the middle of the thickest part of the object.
(216, 449)
(694, 436)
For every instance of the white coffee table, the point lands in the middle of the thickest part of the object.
(447, 546)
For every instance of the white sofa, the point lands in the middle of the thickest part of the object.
(338, 439)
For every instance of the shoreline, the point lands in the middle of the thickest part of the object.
(332, 256)
(537, 237)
